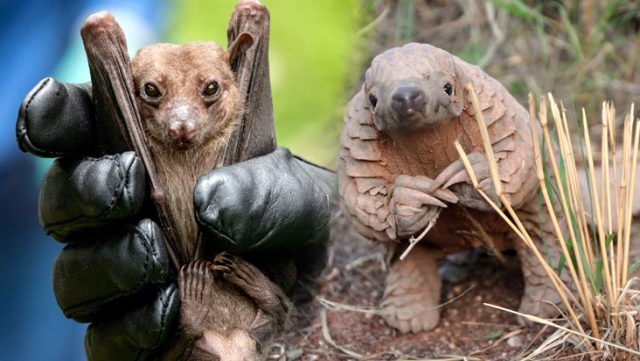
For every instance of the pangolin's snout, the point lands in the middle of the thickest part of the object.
(408, 100)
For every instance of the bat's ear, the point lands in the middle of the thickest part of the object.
(239, 46)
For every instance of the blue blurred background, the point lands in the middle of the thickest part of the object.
(310, 42)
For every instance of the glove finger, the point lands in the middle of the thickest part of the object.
(57, 119)
(82, 194)
(137, 335)
(271, 202)
(94, 277)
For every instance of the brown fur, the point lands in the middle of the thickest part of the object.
(230, 309)
(181, 73)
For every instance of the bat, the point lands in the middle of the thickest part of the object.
(119, 122)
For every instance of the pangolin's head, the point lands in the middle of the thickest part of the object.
(413, 87)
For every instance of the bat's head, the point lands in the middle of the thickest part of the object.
(413, 87)
(234, 346)
(187, 95)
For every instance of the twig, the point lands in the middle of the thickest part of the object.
(581, 334)
(413, 241)
(376, 310)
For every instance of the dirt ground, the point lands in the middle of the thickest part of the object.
(340, 323)
(337, 324)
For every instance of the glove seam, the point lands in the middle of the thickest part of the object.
(24, 142)
(127, 182)
(215, 231)
(108, 209)
(144, 241)
(163, 318)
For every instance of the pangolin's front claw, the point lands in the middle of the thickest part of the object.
(410, 196)
(456, 172)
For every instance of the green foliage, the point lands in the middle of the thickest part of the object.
(572, 34)
(493, 335)
(310, 47)
(518, 8)
(600, 264)
(472, 53)
(405, 29)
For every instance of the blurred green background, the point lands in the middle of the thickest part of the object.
(310, 47)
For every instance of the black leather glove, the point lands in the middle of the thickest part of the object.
(114, 271)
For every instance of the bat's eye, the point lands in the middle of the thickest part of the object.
(211, 89)
(448, 89)
(373, 100)
(151, 91)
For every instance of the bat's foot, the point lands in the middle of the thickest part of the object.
(412, 293)
(239, 272)
(253, 282)
(195, 282)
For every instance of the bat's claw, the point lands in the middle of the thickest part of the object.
(195, 282)
(224, 262)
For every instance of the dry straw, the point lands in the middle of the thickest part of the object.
(592, 227)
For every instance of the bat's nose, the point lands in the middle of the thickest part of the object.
(408, 100)
(182, 132)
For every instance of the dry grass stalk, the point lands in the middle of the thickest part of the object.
(604, 317)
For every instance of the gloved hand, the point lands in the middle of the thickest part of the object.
(114, 271)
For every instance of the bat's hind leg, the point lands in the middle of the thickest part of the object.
(195, 282)
(412, 293)
(267, 295)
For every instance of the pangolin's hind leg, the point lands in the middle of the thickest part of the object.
(412, 292)
(540, 297)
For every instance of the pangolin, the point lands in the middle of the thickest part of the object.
(398, 170)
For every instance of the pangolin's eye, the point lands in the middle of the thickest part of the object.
(211, 89)
(373, 100)
(448, 89)
(151, 91)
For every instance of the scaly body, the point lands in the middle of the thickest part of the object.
(398, 169)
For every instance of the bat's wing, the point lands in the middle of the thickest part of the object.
(118, 121)
(256, 134)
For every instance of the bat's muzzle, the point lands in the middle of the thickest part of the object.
(182, 132)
